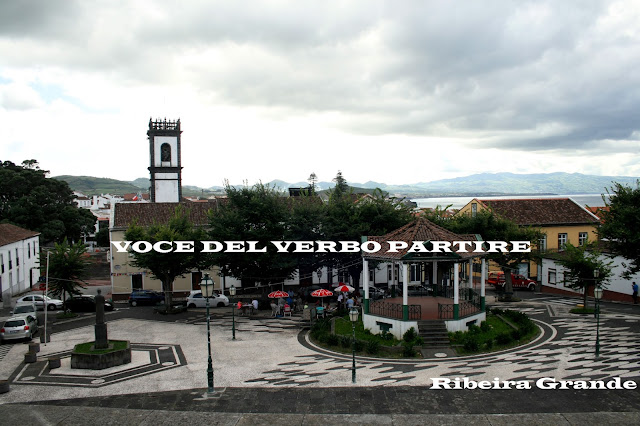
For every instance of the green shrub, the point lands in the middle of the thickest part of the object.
(333, 340)
(410, 335)
(516, 334)
(474, 329)
(485, 327)
(471, 344)
(489, 344)
(372, 347)
(407, 350)
(323, 337)
(346, 341)
(504, 338)
(359, 345)
(386, 335)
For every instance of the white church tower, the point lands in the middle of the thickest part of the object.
(165, 166)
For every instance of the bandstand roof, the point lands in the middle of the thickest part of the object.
(421, 229)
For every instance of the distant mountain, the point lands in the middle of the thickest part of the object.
(483, 184)
(95, 186)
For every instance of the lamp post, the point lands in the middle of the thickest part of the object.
(207, 290)
(597, 293)
(353, 316)
(232, 292)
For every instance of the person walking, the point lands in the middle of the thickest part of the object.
(634, 288)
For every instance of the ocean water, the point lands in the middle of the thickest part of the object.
(591, 200)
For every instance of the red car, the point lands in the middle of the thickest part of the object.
(517, 281)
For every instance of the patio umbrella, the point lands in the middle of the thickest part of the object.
(345, 288)
(322, 293)
(278, 294)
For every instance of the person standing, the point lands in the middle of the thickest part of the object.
(634, 288)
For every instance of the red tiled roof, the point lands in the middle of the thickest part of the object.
(147, 214)
(599, 211)
(420, 229)
(11, 234)
(542, 211)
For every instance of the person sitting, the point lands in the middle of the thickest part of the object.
(240, 307)
(350, 303)
(254, 302)
(274, 309)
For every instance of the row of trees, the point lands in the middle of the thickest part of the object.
(260, 213)
(31, 200)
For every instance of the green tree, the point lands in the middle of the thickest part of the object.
(581, 262)
(31, 200)
(494, 228)
(621, 225)
(166, 267)
(261, 214)
(67, 267)
(342, 187)
(313, 179)
(349, 218)
(102, 237)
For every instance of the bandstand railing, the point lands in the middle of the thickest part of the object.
(394, 310)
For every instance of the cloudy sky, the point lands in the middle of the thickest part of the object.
(390, 91)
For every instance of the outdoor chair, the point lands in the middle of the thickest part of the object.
(320, 312)
(287, 311)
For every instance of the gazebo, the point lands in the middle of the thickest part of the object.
(458, 305)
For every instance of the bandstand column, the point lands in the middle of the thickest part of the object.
(434, 275)
(470, 278)
(483, 277)
(405, 292)
(365, 283)
(456, 286)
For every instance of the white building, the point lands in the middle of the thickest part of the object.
(19, 260)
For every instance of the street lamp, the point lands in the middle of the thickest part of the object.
(597, 293)
(232, 292)
(353, 316)
(207, 291)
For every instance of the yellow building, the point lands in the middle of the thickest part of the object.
(124, 276)
(562, 221)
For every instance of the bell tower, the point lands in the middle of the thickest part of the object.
(165, 166)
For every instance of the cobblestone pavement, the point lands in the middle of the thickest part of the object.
(273, 364)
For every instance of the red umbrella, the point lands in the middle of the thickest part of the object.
(322, 293)
(278, 294)
(344, 288)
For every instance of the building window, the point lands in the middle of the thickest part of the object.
(2, 263)
(542, 242)
(552, 276)
(17, 258)
(28, 250)
(343, 277)
(397, 277)
(474, 209)
(136, 282)
(414, 275)
(562, 240)
(582, 238)
(10, 264)
(165, 152)
(372, 276)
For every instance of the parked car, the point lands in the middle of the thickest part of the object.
(41, 301)
(24, 308)
(196, 300)
(85, 303)
(375, 293)
(19, 327)
(145, 297)
(518, 281)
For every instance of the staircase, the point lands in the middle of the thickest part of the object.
(434, 333)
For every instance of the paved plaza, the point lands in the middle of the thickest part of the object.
(272, 368)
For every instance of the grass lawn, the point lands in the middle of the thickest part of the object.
(85, 348)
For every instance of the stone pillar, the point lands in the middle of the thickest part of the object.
(456, 287)
(101, 341)
(365, 284)
(405, 291)
(434, 277)
(470, 278)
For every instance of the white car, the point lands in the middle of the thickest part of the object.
(20, 327)
(40, 301)
(196, 300)
(24, 309)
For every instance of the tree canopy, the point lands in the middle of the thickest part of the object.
(31, 200)
(621, 225)
(581, 262)
(67, 267)
(166, 267)
(494, 228)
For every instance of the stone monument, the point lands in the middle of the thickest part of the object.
(101, 341)
(102, 353)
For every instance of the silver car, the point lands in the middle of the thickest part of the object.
(16, 328)
(40, 301)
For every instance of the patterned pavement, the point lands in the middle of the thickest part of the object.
(268, 352)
